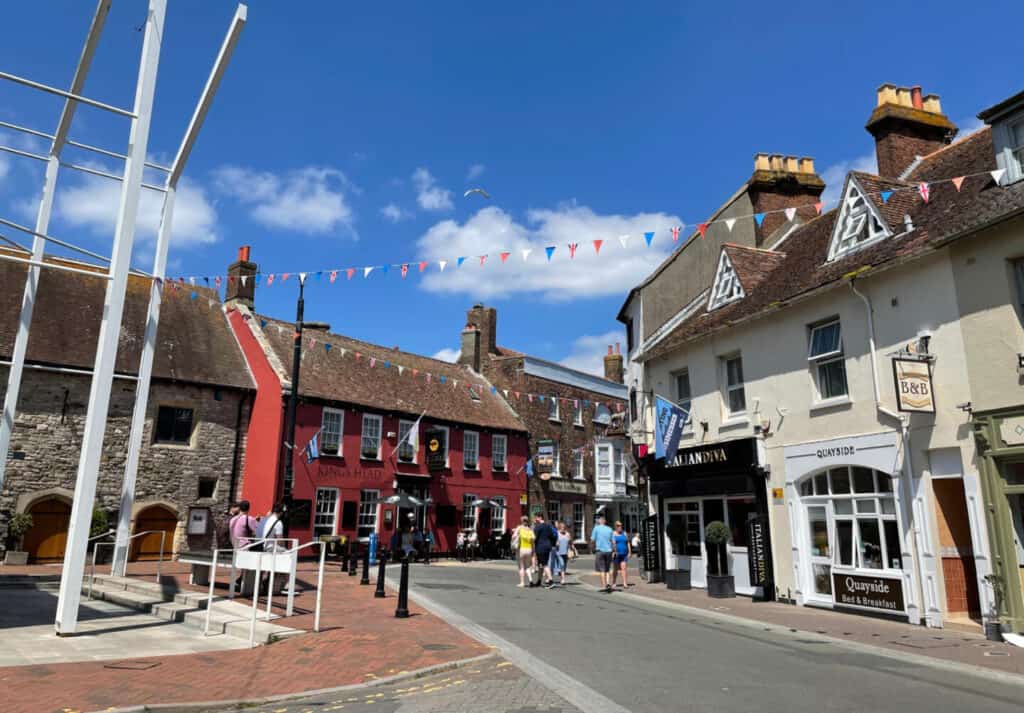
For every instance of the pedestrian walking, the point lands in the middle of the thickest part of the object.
(560, 555)
(242, 529)
(522, 545)
(546, 540)
(428, 545)
(620, 558)
(601, 541)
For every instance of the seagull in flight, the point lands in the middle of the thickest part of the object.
(481, 191)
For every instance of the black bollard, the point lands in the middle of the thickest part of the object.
(353, 565)
(344, 557)
(366, 567)
(402, 610)
(382, 562)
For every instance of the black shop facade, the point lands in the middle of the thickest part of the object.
(724, 482)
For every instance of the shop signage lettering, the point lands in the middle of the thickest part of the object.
(854, 590)
(836, 452)
(354, 473)
(715, 455)
(651, 548)
(913, 379)
(436, 439)
(757, 552)
(545, 459)
(561, 486)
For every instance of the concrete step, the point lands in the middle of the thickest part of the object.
(43, 581)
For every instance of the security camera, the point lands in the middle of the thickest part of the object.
(965, 406)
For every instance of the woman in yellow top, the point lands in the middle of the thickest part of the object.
(522, 544)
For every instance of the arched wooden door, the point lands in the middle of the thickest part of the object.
(46, 539)
(154, 519)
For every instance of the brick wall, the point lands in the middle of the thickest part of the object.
(48, 431)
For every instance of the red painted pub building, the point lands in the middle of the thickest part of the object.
(361, 400)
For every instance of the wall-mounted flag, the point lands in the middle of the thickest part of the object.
(669, 423)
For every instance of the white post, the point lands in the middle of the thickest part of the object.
(319, 586)
(209, 599)
(38, 243)
(255, 600)
(103, 372)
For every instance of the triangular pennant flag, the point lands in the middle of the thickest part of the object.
(526, 253)
(759, 218)
(344, 351)
(193, 295)
(349, 272)
(529, 397)
(284, 277)
(505, 391)
(312, 342)
(400, 369)
(319, 274)
(597, 246)
(327, 347)
(886, 195)
(405, 270)
(367, 271)
(702, 228)
(516, 394)
(302, 278)
(207, 281)
(423, 265)
(494, 389)
(459, 261)
(415, 372)
(675, 233)
(572, 250)
(245, 278)
(623, 239)
(270, 279)
(387, 364)
(729, 223)
(384, 268)
(958, 181)
(924, 190)
(997, 175)
(441, 379)
(541, 397)
(550, 250)
(443, 264)
(210, 303)
(192, 281)
(428, 377)
(373, 362)
(263, 323)
(483, 258)
(504, 256)
(334, 276)
(649, 237)
(790, 214)
(818, 207)
(217, 282)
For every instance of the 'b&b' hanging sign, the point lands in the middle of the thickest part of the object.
(913, 379)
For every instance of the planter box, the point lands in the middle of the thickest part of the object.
(677, 578)
(13, 557)
(721, 586)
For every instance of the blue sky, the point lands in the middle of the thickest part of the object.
(344, 134)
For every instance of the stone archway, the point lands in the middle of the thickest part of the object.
(47, 539)
(154, 518)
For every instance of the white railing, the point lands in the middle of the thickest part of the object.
(96, 548)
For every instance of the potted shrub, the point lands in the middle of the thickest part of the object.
(676, 532)
(17, 526)
(100, 525)
(721, 584)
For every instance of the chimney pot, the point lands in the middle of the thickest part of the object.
(609, 350)
(617, 347)
(761, 162)
(932, 104)
(915, 97)
(887, 94)
(791, 164)
(903, 96)
(243, 253)
(807, 165)
(776, 161)
(906, 124)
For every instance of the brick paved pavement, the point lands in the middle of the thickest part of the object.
(361, 641)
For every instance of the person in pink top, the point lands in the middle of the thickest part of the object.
(242, 527)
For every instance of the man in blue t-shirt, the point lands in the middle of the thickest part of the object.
(601, 540)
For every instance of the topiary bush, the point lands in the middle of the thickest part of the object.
(717, 533)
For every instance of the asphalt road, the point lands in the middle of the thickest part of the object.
(604, 653)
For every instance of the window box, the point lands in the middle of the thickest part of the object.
(470, 450)
(371, 438)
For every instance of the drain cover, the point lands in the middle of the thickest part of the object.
(437, 647)
(997, 653)
(446, 587)
(133, 665)
(925, 644)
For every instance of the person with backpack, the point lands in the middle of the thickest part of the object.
(242, 526)
(546, 540)
(522, 545)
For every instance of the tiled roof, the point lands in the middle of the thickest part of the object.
(194, 341)
(802, 267)
(752, 265)
(332, 376)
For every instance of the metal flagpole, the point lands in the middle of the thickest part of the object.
(66, 620)
(156, 291)
(38, 243)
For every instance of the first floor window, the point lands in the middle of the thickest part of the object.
(828, 362)
(498, 513)
(578, 522)
(577, 470)
(499, 452)
(407, 451)
(468, 511)
(735, 395)
(554, 511)
(553, 408)
(557, 462)
(368, 507)
(174, 425)
(604, 462)
(577, 412)
(330, 431)
(326, 514)
(470, 450)
(370, 449)
(684, 400)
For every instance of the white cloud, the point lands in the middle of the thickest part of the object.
(308, 200)
(395, 213)
(429, 195)
(835, 176)
(5, 167)
(475, 171)
(491, 231)
(92, 203)
(450, 355)
(968, 126)
(587, 352)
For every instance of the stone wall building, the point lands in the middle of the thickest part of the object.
(199, 404)
(567, 414)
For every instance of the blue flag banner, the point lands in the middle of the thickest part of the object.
(649, 237)
(529, 468)
(669, 423)
(759, 217)
(312, 448)
(886, 195)
(550, 250)
(458, 263)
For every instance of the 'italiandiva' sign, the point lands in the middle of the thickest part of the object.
(865, 592)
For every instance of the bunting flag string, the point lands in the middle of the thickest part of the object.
(924, 190)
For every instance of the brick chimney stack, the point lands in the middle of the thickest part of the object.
(613, 365)
(236, 292)
(486, 320)
(907, 124)
(470, 354)
(781, 182)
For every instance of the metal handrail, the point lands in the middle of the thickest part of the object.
(291, 585)
(160, 558)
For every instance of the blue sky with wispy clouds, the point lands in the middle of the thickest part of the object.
(345, 134)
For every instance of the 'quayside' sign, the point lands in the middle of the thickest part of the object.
(863, 592)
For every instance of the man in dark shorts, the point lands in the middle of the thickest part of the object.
(601, 541)
(547, 540)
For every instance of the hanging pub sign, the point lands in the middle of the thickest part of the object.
(545, 460)
(913, 380)
(437, 449)
(757, 551)
(864, 592)
(651, 548)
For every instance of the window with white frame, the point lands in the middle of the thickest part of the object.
(684, 399)
(577, 412)
(372, 425)
(604, 460)
(554, 511)
(727, 287)
(553, 408)
(499, 452)
(735, 395)
(556, 471)
(447, 443)
(468, 511)
(325, 514)
(619, 464)
(1018, 274)
(828, 365)
(368, 508)
(498, 513)
(1017, 148)
(577, 470)
(578, 522)
(330, 431)
(859, 223)
(470, 450)
(407, 451)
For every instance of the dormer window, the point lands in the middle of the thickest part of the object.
(1016, 132)
(859, 224)
(727, 286)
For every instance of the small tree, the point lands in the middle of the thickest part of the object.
(676, 531)
(717, 536)
(100, 522)
(17, 526)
